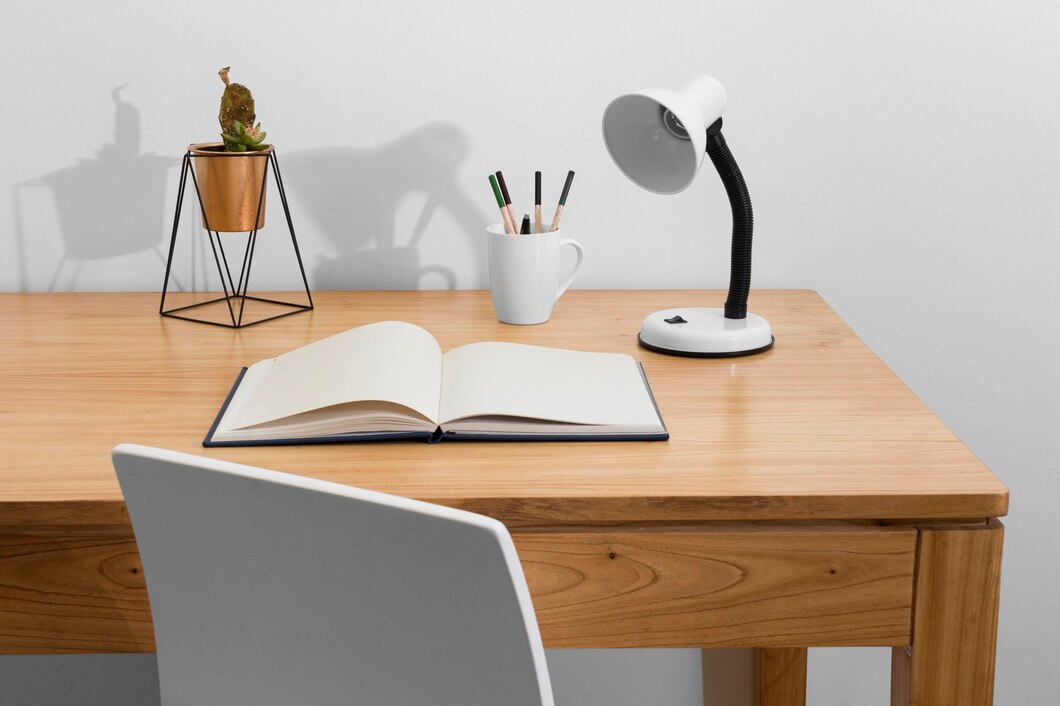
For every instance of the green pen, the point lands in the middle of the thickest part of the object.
(508, 202)
(509, 227)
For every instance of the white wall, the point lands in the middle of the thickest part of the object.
(902, 156)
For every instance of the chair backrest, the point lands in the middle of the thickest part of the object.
(270, 588)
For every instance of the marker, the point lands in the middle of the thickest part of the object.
(509, 227)
(507, 199)
(562, 201)
(525, 230)
(537, 202)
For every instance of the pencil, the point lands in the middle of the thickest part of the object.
(537, 202)
(507, 200)
(562, 201)
(525, 230)
(509, 227)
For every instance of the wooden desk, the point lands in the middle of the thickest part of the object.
(806, 497)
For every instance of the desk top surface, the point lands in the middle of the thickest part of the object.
(817, 429)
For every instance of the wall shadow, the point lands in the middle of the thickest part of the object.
(107, 206)
(352, 196)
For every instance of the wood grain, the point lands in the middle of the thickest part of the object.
(73, 596)
(651, 588)
(817, 428)
(951, 662)
(693, 587)
(721, 588)
(780, 677)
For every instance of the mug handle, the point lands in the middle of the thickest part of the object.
(577, 265)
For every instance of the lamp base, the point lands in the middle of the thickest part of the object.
(704, 333)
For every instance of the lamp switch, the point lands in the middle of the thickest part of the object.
(676, 319)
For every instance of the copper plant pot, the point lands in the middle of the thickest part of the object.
(230, 186)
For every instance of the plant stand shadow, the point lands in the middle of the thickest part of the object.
(235, 290)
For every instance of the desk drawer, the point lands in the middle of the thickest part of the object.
(592, 588)
(73, 594)
(753, 587)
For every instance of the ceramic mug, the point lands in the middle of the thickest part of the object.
(524, 273)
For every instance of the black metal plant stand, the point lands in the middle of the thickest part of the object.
(233, 289)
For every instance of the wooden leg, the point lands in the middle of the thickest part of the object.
(951, 661)
(754, 677)
(779, 676)
(728, 673)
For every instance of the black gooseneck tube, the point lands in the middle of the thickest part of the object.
(742, 222)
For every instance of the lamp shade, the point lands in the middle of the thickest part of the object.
(658, 137)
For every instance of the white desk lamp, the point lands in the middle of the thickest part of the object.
(658, 138)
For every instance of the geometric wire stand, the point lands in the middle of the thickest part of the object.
(233, 289)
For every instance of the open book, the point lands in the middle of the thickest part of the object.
(390, 380)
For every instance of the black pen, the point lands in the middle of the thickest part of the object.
(525, 230)
(509, 227)
(562, 201)
(537, 202)
(507, 197)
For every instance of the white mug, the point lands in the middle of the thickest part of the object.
(524, 273)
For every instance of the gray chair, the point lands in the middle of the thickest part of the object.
(270, 588)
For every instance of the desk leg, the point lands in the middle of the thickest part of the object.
(951, 661)
(776, 677)
(727, 676)
(780, 676)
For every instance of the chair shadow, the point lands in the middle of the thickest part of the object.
(108, 206)
(352, 196)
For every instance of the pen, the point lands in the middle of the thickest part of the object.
(509, 227)
(537, 202)
(507, 199)
(562, 201)
(525, 230)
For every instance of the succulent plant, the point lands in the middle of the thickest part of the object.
(238, 130)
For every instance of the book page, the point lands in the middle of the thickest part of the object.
(389, 361)
(532, 382)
